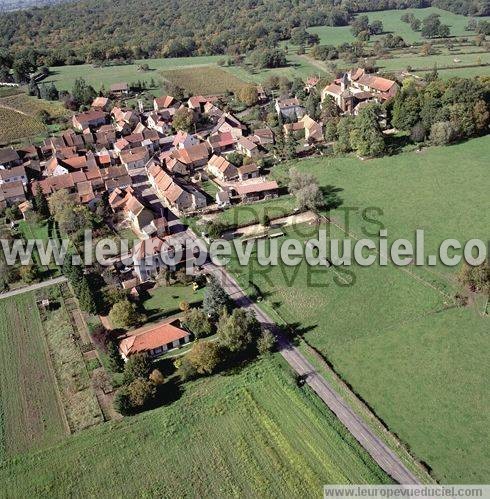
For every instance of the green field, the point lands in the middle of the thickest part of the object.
(393, 24)
(207, 80)
(31, 413)
(420, 364)
(65, 76)
(164, 301)
(253, 433)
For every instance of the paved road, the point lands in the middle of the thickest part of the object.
(33, 287)
(380, 452)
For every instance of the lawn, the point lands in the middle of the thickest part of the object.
(208, 80)
(31, 414)
(393, 335)
(253, 433)
(164, 301)
(64, 76)
(242, 215)
(393, 24)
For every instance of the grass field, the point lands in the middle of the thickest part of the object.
(392, 24)
(419, 364)
(18, 116)
(164, 301)
(205, 80)
(253, 433)
(31, 415)
(64, 76)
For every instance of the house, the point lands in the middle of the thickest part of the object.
(119, 89)
(193, 157)
(115, 177)
(134, 210)
(228, 123)
(263, 136)
(221, 168)
(212, 112)
(151, 255)
(255, 191)
(12, 193)
(88, 119)
(9, 158)
(134, 158)
(289, 108)
(312, 131)
(198, 102)
(184, 139)
(221, 142)
(54, 167)
(155, 340)
(311, 82)
(223, 198)
(15, 174)
(355, 87)
(246, 172)
(101, 103)
(156, 122)
(247, 147)
(25, 208)
(164, 102)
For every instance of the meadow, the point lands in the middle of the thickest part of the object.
(395, 334)
(31, 414)
(207, 80)
(252, 433)
(64, 76)
(392, 23)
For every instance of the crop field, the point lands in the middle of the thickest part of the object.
(394, 335)
(206, 80)
(64, 76)
(18, 116)
(253, 433)
(31, 415)
(393, 24)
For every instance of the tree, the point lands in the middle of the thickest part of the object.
(124, 314)
(29, 273)
(197, 322)
(122, 402)
(312, 105)
(86, 297)
(415, 24)
(43, 116)
(183, 119)
(441, 133)
(59, 202)
(185, 369)
(82, 93)
(40, 203)
(366, 137)
(432, 27)
(344, 129)
(477, 278)
(481, 115)
(34, 89)
(376, 27)
(116, 363)
(156, 377)
(359, 24)
(204, 356)
(418, 132)
(406, 109)
(266, 342)
(215, 299)
(248, 95)
(141, 392)
(237, 331)
(138, 366)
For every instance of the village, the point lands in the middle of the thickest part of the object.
(150, 174)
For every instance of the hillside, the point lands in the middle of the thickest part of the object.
(94, 30)
(10, 5)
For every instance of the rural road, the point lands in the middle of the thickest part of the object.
(378, 450)
(33, 287)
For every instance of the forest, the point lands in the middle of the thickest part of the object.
(91, 31)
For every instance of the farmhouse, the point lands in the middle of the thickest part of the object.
(92, 118)
(258, 190)
(161, 103)
(247, 147)
(15, 174)
(9, 158)
(228, 123)
(101, 103)
(135, 158)
(356, 87)
(119, 89)
(12, 193)
(246, 172)
(289, 108)
(221, 168)
(154, 341)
